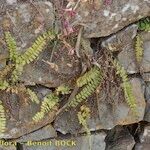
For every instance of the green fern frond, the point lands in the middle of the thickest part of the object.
(11, 43)
(130, 99)
(33, 96)
(48, 103)
(4, 85)
(2, 119)
(91, 82)
(139, 50)
(88, 77)
(33, 52)
(83, 116)
(144, 24)
(63, 89)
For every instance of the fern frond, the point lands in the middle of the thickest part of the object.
(11, 43)
(89, 88)
(4, 85)
(47, 105)
(2, 119)
(63, 89)
(130, 99)
(33, 52)
(88, 77)
(139, 50)
(33, 96)
(83, 116)
(144, 24)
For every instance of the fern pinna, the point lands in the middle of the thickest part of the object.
(126, 86)
(47, 105)
(2, 120)
(90, 82)
(139, 50)
(144, 24)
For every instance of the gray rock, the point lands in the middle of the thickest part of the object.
(124, 43)
(41, 134)
(79, 143)
(119, 113)
(102, 20)
(20, 111)
(147, 97)
(119, 138)
(8, 147)
(145, 64)
(146, 76)
(144, 138)
(141, 146)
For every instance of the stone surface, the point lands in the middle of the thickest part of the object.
(124, 43)
(119, 138)
(26, 21)
(41, 134)
(105, 114)
(147, 97)
(144, 139)
(120, 113)
(145, 64)
(79, 143)
(102, 20)
(20, 111)
(141, 146)
(8, 148)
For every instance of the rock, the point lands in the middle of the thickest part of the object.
(141, 146)
(19, 111)
(145, 64)
(146, 76)
(102, 20)
(119, 113)
(119, 138)
(105, 114)
(123, 42)
(41, 134)
(78, 143)
(67, 121)
(8, 147)
(145, 135)
(144, 139)
(147, 97)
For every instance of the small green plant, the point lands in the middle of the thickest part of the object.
(33, 96)
(89, 82)
(83, 116)
(63, 89)
(139, 49)
(48, 104)
(126, 86)
(144, 24)
(2, 119)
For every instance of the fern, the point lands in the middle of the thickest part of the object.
(11, 43)
(139, 48)
(126, 86)
(90, 80)
(31, 54)
(63, 89)
(4, 85)
(83, 116)
(33, 96)
(47, 105)
(2, 119)
(88, 77)
(144, 24)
